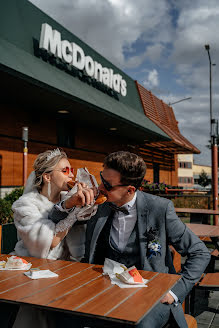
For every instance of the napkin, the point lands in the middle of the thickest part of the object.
(114, 269)
(38, 274)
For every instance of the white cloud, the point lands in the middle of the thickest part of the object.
(111, 26)
(164, 38)
(152, 53)
(152, 80)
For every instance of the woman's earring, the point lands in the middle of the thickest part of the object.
(49, 190)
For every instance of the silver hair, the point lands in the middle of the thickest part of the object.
(45, 163)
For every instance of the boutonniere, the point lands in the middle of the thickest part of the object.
(154, 246)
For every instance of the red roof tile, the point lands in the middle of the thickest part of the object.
(163, 116)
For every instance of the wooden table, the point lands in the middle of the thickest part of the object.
(198, 215)
(206, 230)
(210, 281)
(82, 290)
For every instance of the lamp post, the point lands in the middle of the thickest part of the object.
(25, 151)
(214, 147)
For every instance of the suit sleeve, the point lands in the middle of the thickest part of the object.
(89, 234)
(187, 244)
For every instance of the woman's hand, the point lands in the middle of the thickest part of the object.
(84, 196)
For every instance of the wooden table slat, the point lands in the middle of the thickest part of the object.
(80, 296)
(204, 230)
(46, 296)
(25, 285)
(111, 299)
(157, 288)
(197, 211)
(97, 292)
(210, 280)
(10, 275)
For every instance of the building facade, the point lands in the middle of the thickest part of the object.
(189, 172)
(185, 171)
(69, 96)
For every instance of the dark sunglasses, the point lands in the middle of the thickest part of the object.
(107, 185)
(66, 170)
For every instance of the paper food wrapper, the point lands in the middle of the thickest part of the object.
(15, 263)
(122, 276)
(38, 274)
(83, 175)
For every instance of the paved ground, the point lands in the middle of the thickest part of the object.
(206, 308)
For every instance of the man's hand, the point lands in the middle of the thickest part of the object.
(84, 196)
(168, 298)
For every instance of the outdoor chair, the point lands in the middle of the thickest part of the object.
(0, 238)
(8, 238)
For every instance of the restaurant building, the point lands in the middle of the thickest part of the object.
(69, 96)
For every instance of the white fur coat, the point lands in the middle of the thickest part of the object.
(36, 231)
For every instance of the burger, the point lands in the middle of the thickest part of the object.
(70, 184)
(100, 199)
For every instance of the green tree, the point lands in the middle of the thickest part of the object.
(203, 179)
(6, 214)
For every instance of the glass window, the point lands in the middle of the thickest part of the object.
(185, 165)
(156, 168)
(65, 133)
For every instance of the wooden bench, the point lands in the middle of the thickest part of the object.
(191, 321)
(198, 215)
(179, 190)
(206, 239)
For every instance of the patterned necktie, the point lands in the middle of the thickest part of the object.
(119, 209)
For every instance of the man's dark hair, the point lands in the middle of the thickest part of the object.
(131, 167)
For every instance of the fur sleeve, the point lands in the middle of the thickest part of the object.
(31, 220)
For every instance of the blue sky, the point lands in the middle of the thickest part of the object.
(160, 43)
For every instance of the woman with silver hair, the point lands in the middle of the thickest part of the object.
(38, 234)
(44, 192)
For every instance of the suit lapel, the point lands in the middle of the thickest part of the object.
(98, 227)
(142, 219)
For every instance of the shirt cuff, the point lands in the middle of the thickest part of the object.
(175, 298)
(61, 207)
(59, 213)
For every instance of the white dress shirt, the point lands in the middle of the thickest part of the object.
(124, 224)
(122, 227)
